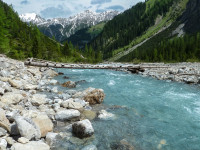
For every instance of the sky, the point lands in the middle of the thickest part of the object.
(66, 8)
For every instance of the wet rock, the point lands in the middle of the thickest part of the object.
(90, 147)
(2, 132)
(103, 114)
(44, 123)
(122, 145)
(91, 95)
(11, 98)
(95, 97)
(53, 82)
(81, 81)
(51, 138)
(23, 140)
(4, 123)
(38, 99)
(69, 84)
(65, 77)
(33, 145)
(27, 128)
(66, 115)
(60, 73)
(83, 129)
(88, 114)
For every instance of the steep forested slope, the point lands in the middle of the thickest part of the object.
(19, 41)
(167, 46)
(124, 28)
(86, 35)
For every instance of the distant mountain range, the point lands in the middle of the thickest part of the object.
(63, 28)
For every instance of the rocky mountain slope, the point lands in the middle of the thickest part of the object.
(62, 28)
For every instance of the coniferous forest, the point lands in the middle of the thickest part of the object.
(20, 41)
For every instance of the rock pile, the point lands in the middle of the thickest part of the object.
(28, 115)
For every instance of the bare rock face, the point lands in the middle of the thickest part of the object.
(44, 123)
(83, 129)
(4, 122)
(69, 84)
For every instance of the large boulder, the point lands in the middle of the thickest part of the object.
(38, 99)
(27, 128)
(2, 132)
(69, 84)
(83, 129)
(44, 123)
(33, 145)
(11, 98)
(91, 95)
(4, 122)
(66, 115)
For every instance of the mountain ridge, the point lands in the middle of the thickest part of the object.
(62, 28)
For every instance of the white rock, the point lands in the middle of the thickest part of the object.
(103, 114)
(27, 128)
(23, 140)
(33, 145)
(83, 128)
(11, 98)
(66, 115)
(51, 137)
(3, 144)
(38, 99)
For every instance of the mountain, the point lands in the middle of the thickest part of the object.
(32, 17)
(86, 35)
(62, 28)
(20, 41)
(150, 31)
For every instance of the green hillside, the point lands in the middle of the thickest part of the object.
(133, 23)
(20, 41)
(86, 35)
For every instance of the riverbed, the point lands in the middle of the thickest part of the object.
(148, 113)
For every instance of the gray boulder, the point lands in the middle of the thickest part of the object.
(66, 115)
(27, 128)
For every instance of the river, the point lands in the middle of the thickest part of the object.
(154, 114)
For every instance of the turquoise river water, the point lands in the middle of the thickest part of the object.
(155, 114)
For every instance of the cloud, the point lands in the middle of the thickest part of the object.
(93, 2)
(54, 12)
(116, 7)
(24, 2)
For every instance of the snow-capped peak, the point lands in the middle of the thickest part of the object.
(31, 17)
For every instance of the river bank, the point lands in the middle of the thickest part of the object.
(31, 107)
(32, 98)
